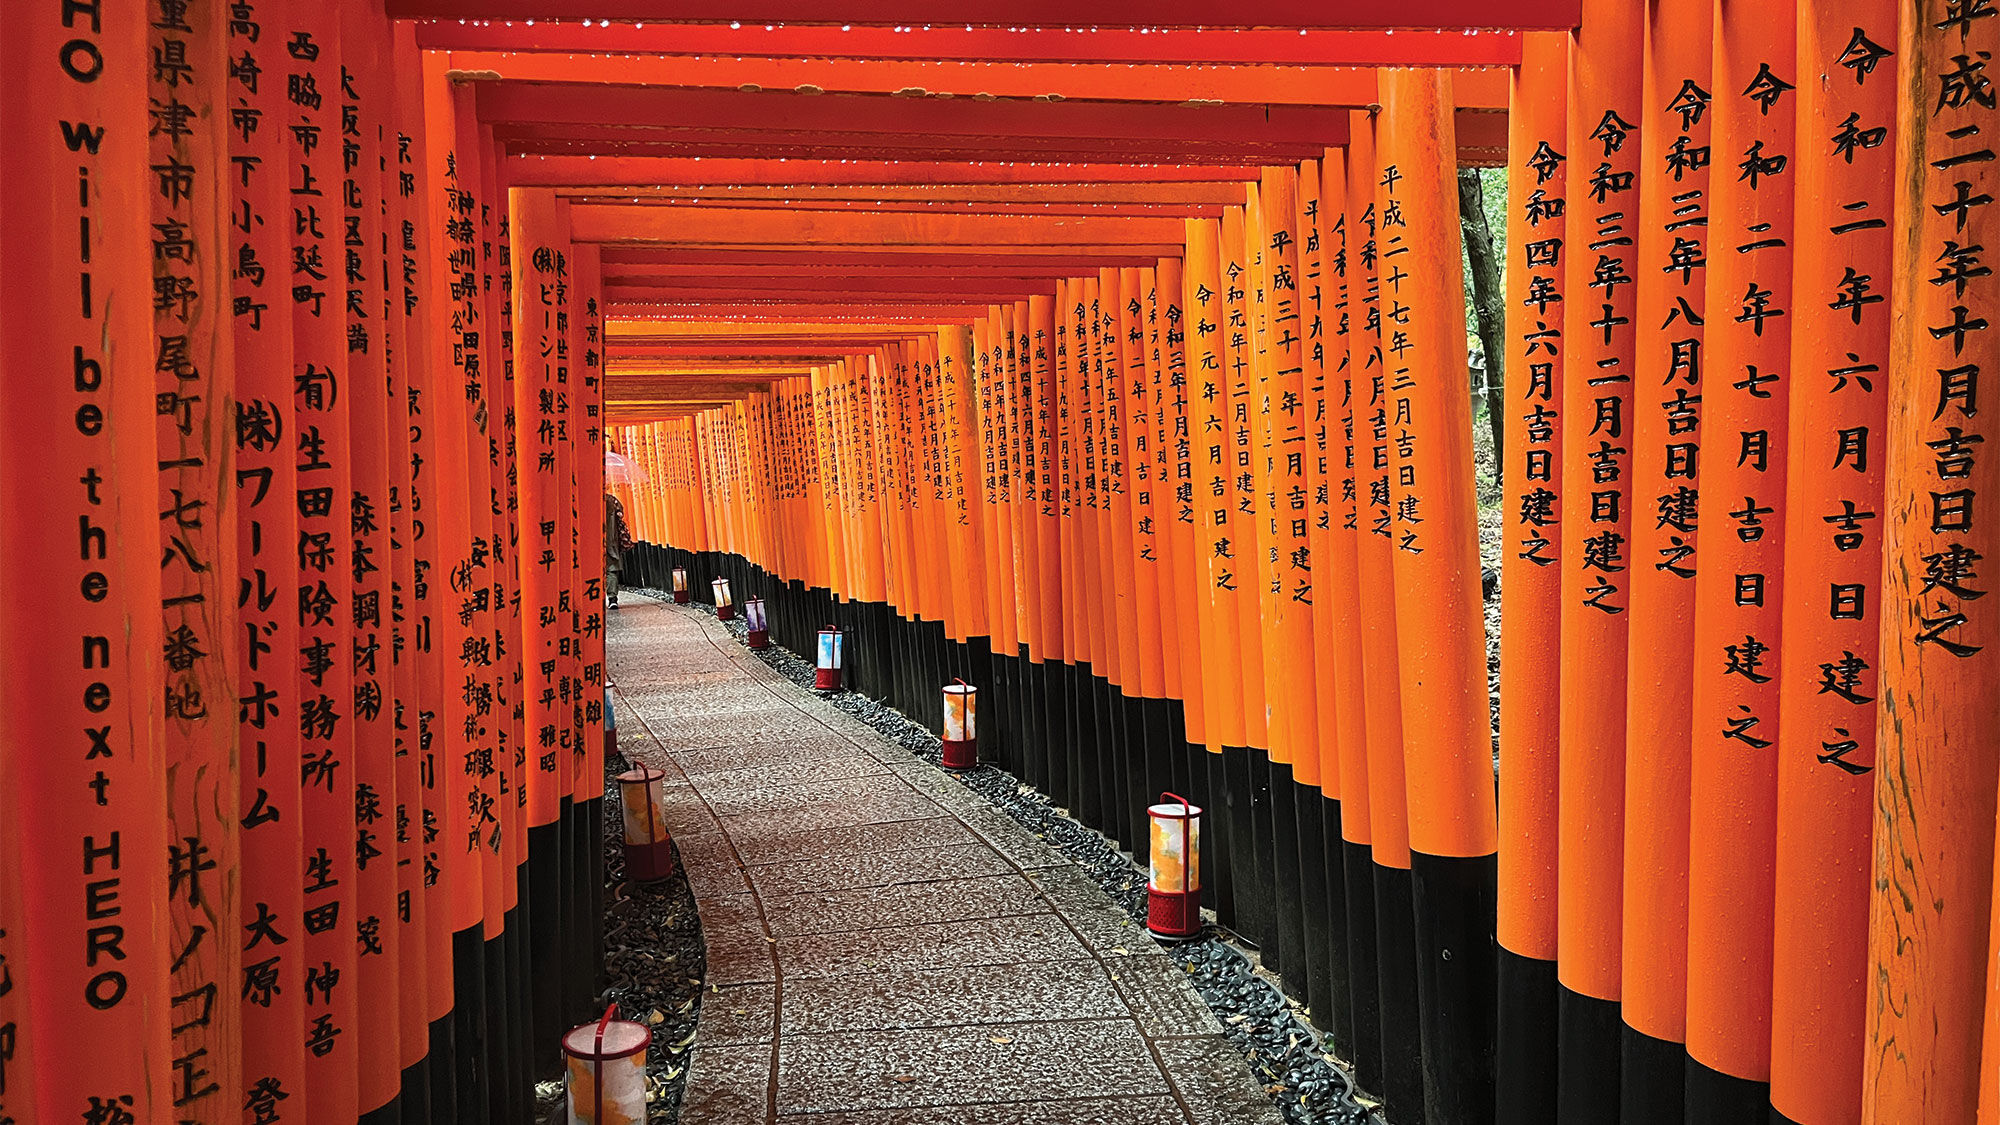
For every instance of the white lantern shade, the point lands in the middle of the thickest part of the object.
(721, 586)
(753, 614)
(642, 796)
(607, 1083)
(829, 648)
(680, 580)
(961, 707)
(1176, 865)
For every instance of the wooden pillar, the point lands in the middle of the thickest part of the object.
(1598, 325)
(1846, 154)
(1361, 336)
(1665, 434)
(1446, 720)
(1739, 592)
(323, 396)
(82, 531)
(1936, 750)
(1531, 583)
(193, 377)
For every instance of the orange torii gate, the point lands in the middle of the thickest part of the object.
(1124, 382)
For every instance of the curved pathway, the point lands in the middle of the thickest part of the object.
(884, 947)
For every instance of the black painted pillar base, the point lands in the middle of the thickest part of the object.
(1248, 884)
(469, 1026)
(1587, 1053)
(1363, 972)
(440, 1068)
(1262, 915)
(1455, 897)
(1216, 839)
(549, 863)
(1396, 969)
(1287, 879)
(1724, 1099)
(1310, 809)
(1655, 1079)
(1338, 1017)
(1525, 1053)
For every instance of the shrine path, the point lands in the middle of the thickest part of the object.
(884, 947)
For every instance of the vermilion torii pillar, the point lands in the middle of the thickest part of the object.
(1598, 329)
(1827, 701)
(1935, 751)
(1751, 316)
(1531, 584)
(1446, 722)
(1664, 431)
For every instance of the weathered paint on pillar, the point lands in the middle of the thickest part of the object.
(1936, 752)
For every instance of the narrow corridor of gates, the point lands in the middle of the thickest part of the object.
(1119, 368)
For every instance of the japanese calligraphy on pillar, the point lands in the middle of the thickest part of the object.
(267, 599)
(192, 371)
(1665, 434)
(84, 588)
(1740, 587)
(1842, 253)
(1532, 475)
(1935, 756)
(311, 71)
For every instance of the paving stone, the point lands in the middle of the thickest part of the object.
(833, 792)
(769, 756)
(742, 963)
(878, 869)
(963, 1066)
(683, 732)
(704, 698)
(731, 790)
(1024, 939)
(1085, 1111)
(955, 900)
(728, 1086)
(745, 1013)
(1211, 1079)
(1020, 846)
(960, 994)
(730, 914)
(880, 807)
(812, 844)
(1102, 926)
(1156, 988)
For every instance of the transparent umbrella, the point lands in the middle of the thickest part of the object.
(617, 470)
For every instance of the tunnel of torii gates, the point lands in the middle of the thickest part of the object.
(1128, 384)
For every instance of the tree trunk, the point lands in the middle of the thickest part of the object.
(1486, 301)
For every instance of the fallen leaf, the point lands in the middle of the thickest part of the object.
(1000, 1039)
(906, 1078)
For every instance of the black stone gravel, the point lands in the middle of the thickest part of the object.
(654, 961)
(1285, 1052)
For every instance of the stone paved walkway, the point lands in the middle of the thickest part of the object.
(884, 947)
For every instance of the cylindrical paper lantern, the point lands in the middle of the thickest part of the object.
(725, 608)
(830, 645)
(642, 799)
(961, 735)
(1173, 891)
(606, 1061)
(760, 628)
(680, 585)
